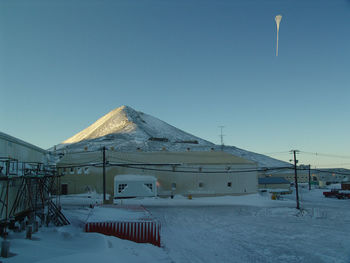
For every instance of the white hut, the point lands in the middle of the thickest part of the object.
(130, 185)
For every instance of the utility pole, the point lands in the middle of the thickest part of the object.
(221, 138)
(296, 177)
(104, 174)
(309, 177)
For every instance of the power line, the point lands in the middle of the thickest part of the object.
(272, 153)
(141, 166)
(332, 164)
(327, 155)
(196, 171)
(62, 151)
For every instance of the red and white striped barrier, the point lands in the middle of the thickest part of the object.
(140, 232)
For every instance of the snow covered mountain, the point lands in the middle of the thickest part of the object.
(126, 129)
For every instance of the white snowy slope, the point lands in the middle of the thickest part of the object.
(126, 129)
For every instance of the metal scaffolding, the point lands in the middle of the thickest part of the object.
(29, 190)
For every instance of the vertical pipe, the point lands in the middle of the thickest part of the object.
(309, 177)
(296, 179)
(7, 193)
(104, 174)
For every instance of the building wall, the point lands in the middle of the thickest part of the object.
(302, 176)
(274, 186)
(11, 147)
(196, 183)
(333, 178)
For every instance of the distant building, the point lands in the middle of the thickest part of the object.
(13, 148)
(288, 174)
(321, 176)
(183, 173)
(332, 175)
(274, 183)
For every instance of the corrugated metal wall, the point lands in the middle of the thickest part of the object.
(21, 151)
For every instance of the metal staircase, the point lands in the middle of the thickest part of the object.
(55, 215)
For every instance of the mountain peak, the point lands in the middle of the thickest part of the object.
(122, 108)
(128, 130)
(128, 124)
(120, 119)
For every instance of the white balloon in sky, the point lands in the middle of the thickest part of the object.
(278, 19)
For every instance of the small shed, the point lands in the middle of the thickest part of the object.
(131, 185)
(274, 183)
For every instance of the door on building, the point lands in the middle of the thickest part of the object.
(64, 189)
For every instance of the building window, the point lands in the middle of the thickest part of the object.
(71, 171)
(86, 170)
(229, 184)
(149, 186)
(173, 186)
(121, 187)
(79, 170)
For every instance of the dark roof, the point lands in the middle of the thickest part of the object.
(273, 180)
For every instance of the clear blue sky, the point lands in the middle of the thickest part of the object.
(195, 64)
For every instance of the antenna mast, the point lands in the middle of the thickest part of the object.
(222, 137)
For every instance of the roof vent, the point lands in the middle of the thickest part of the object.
(188, 141)
(157, 139)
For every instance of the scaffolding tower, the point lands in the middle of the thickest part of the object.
(29, 190)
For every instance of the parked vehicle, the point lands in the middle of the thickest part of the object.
(336, 193)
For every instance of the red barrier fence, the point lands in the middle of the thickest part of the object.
(140, 232)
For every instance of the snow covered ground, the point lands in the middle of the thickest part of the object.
(250, 228)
